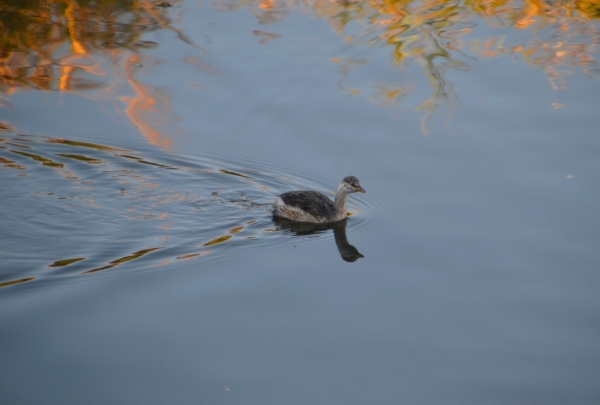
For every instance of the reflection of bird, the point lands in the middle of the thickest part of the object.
(348, 252)
(315, 207)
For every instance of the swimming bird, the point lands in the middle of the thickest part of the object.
(315, 207)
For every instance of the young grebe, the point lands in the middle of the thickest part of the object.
(315, 207)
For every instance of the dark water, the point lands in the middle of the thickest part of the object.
(140, 262)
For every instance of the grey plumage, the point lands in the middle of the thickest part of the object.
(312, 202)
(312, 206)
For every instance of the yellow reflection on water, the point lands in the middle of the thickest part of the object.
(124, 259)
(13, 282)
(95, 49)
(120, 193)
(438, 34)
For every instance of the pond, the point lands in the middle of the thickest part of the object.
(142, 145)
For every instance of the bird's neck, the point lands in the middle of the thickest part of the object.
(340, 201)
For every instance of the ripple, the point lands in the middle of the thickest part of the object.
(95, 207)
(367, 212)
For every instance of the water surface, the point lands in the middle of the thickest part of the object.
(142, 145)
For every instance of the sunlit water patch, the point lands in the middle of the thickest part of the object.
(75, 208)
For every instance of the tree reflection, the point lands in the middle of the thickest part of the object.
(95, 49)
(82, 46)
(348, 252)
(556, 36)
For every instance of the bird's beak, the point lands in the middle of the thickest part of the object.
(360, 189)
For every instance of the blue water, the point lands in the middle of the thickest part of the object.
(141, 264)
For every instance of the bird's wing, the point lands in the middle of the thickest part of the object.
(311, 202)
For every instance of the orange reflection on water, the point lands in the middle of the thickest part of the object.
(149, 109)
(102, 39)
(80, 47)
(442, 35)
